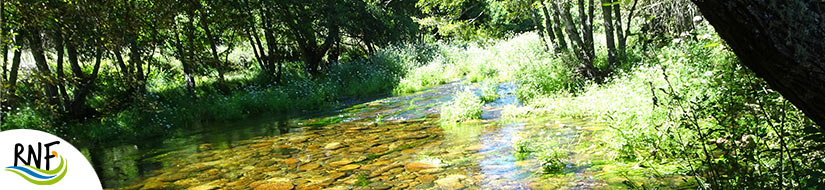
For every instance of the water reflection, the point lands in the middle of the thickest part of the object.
(124, 165)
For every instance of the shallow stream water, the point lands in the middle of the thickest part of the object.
(390, 143)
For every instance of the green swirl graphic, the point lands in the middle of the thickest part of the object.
(63, 166)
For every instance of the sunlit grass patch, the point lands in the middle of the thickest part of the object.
(488, 91)
(465, 106)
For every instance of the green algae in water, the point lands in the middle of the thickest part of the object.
(362, 180)
(326, 121)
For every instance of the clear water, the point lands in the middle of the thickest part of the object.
(394, 142)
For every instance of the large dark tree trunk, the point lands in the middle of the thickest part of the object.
(78, 107)
(781, 41)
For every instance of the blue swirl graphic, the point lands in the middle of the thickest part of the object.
(30, 172)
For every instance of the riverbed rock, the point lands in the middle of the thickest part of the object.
(418, 166)
(207, 186)
(333, 146)
(381, 170)
(418, 135)
(378, 149)
(349, 167)
(290, 161)
(307, 167)
(341, 162)
(310, 186)
(298, 139)
(379, 186)
(451, 182)
(425, 178)
(275, 186)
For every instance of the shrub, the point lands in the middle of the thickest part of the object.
(551, 160)
(464, 106)
(489, 91)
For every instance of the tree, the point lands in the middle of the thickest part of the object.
(607, 10)
(781, 41)
(586, 68)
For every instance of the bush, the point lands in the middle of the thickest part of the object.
(464, 106)
(551, 160)
(489, 91)
(548, 76)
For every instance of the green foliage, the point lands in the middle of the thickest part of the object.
(468, 20)
(693, 104)
(551, 160)
(489, 91)
(464, 106)
(522, 149)
(362, 180)
(547, 77)
(167, 106)
(520, 58)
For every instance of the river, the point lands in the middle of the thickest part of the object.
(389, 143)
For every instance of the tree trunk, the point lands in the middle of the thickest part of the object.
(578, 45)
(591, 13)
(15, 66)
(608, 31)
(255, 50)
(548, 26)
(214, 48)
(61, 75)
(781, 41)
(587, 30)
(3, 40)
(558, 28)
(36, 46)
(537, 25)
(78, 106)
(586, 68)
(137, 61)
(189, 80)
(123, 68)
(73, 61)
(629, 19)
(620, 37)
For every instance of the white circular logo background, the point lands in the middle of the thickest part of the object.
(68, 168)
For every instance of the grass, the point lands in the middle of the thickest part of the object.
(488, 92)
(551, 159)
(465, 106)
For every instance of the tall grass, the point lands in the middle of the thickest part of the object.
(465, 106)
(521, 58)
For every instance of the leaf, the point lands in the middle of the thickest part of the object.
(711, 45)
